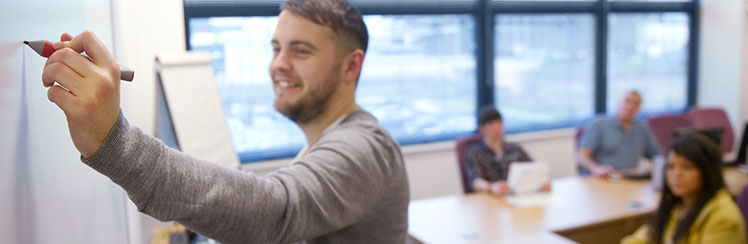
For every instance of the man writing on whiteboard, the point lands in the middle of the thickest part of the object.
(349, 185)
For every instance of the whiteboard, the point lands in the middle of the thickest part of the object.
(46, 194)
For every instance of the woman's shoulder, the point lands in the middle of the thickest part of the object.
(723, 200)
(720, 221)
(721, 208)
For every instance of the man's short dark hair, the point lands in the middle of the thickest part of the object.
(344, 19)
(487, 115)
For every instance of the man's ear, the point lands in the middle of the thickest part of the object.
(351, 65)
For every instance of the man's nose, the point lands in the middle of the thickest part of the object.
(281, 63)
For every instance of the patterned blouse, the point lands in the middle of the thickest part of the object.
(484, 163)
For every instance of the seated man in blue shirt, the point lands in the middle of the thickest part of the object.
(488, 161)
(614, 143)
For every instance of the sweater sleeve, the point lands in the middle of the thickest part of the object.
(297, 203)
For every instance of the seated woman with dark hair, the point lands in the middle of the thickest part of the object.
(695, 207)
(488, 161)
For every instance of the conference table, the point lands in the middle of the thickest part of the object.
(578, 210)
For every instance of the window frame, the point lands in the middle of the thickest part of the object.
(483, 12)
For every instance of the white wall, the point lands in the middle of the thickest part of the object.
(143, 29)
(723, 81)
(48, 195)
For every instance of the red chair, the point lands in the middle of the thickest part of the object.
(463, 144)
(663, 126)
(713, 117)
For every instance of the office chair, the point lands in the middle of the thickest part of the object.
(463, 144)
(663, 126)
(714, 117)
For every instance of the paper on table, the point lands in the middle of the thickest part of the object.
(527, 177)
(536, 199)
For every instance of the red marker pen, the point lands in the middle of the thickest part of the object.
(45, 49)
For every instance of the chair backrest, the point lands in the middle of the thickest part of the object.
(743, 203)
(713, 117)
(663, 126)
(578, 136)
(463, 144)
(581, 170)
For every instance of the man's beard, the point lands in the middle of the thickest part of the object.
(313, 104)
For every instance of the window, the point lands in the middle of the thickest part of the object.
(651, 1)
(426, 61)
(241, 51)
(418, 77)
(432, 63)
(648, 52)
(536, 76)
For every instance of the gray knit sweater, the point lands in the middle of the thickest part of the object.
(350, 188)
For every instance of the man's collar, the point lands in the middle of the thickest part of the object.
(334, 124)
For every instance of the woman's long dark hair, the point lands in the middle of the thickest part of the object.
(707, 157)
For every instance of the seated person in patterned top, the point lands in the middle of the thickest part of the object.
(488, 161)
(694, 206)
(614, 143)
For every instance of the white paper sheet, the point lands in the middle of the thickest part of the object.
(527, 177)
(527, 200)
